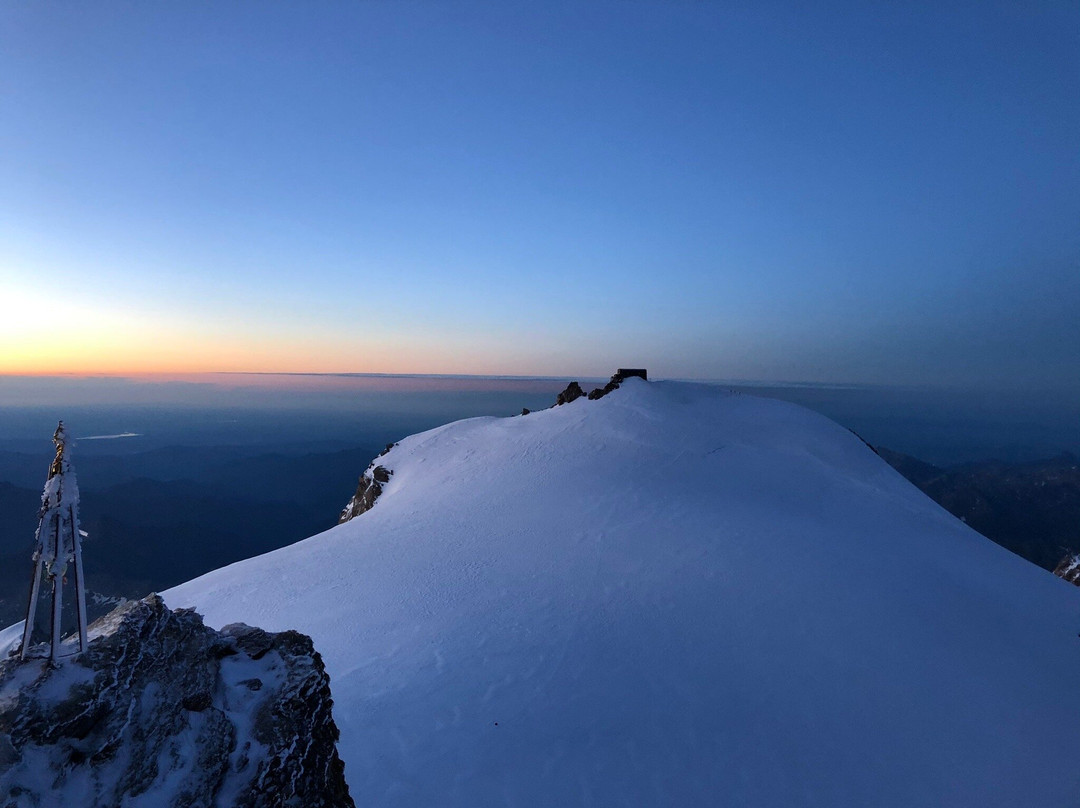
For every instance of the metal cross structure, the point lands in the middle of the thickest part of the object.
(57, 546)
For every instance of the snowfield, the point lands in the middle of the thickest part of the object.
(672, 596)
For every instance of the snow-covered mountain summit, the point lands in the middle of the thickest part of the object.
(672, 596)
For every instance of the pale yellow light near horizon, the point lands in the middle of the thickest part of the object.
(42, 333)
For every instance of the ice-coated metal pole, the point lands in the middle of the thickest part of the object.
(57, 593)
(80, 589)
(31, 607)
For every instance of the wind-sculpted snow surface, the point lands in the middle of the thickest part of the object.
(163, 711)
(673, 596)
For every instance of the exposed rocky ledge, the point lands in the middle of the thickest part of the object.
(573, 390)
(162, 710)
(368, 489)
(1069, 569)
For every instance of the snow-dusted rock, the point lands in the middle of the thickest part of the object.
(572, 393)
(163, 711)
(367, 491)
(1069, 569)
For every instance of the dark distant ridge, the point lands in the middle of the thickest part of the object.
(1031, 508)
(169, 515)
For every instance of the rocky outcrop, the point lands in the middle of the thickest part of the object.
(368, 489)
(600, 392)
(572, 392)
(1069, 569)
(621, 375)
(162, 710)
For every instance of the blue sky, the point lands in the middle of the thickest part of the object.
(820, 192)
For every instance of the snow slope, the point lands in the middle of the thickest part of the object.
(672, 596)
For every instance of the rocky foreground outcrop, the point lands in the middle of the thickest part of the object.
(162, 710)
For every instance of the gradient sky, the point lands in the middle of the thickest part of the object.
(830, 192)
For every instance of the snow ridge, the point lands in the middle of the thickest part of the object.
(672, 595)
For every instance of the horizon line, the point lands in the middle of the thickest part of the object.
(732, 382)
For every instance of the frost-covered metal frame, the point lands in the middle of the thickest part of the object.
(57, 545)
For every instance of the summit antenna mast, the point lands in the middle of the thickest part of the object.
(57, 545)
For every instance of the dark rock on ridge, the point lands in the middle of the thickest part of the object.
(572, 392)
(1069, 569)
(367, 490)
(163, 711)
(600, 392)
(621, 375)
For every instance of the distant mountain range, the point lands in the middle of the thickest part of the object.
(162, 517)
(1032, 509)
